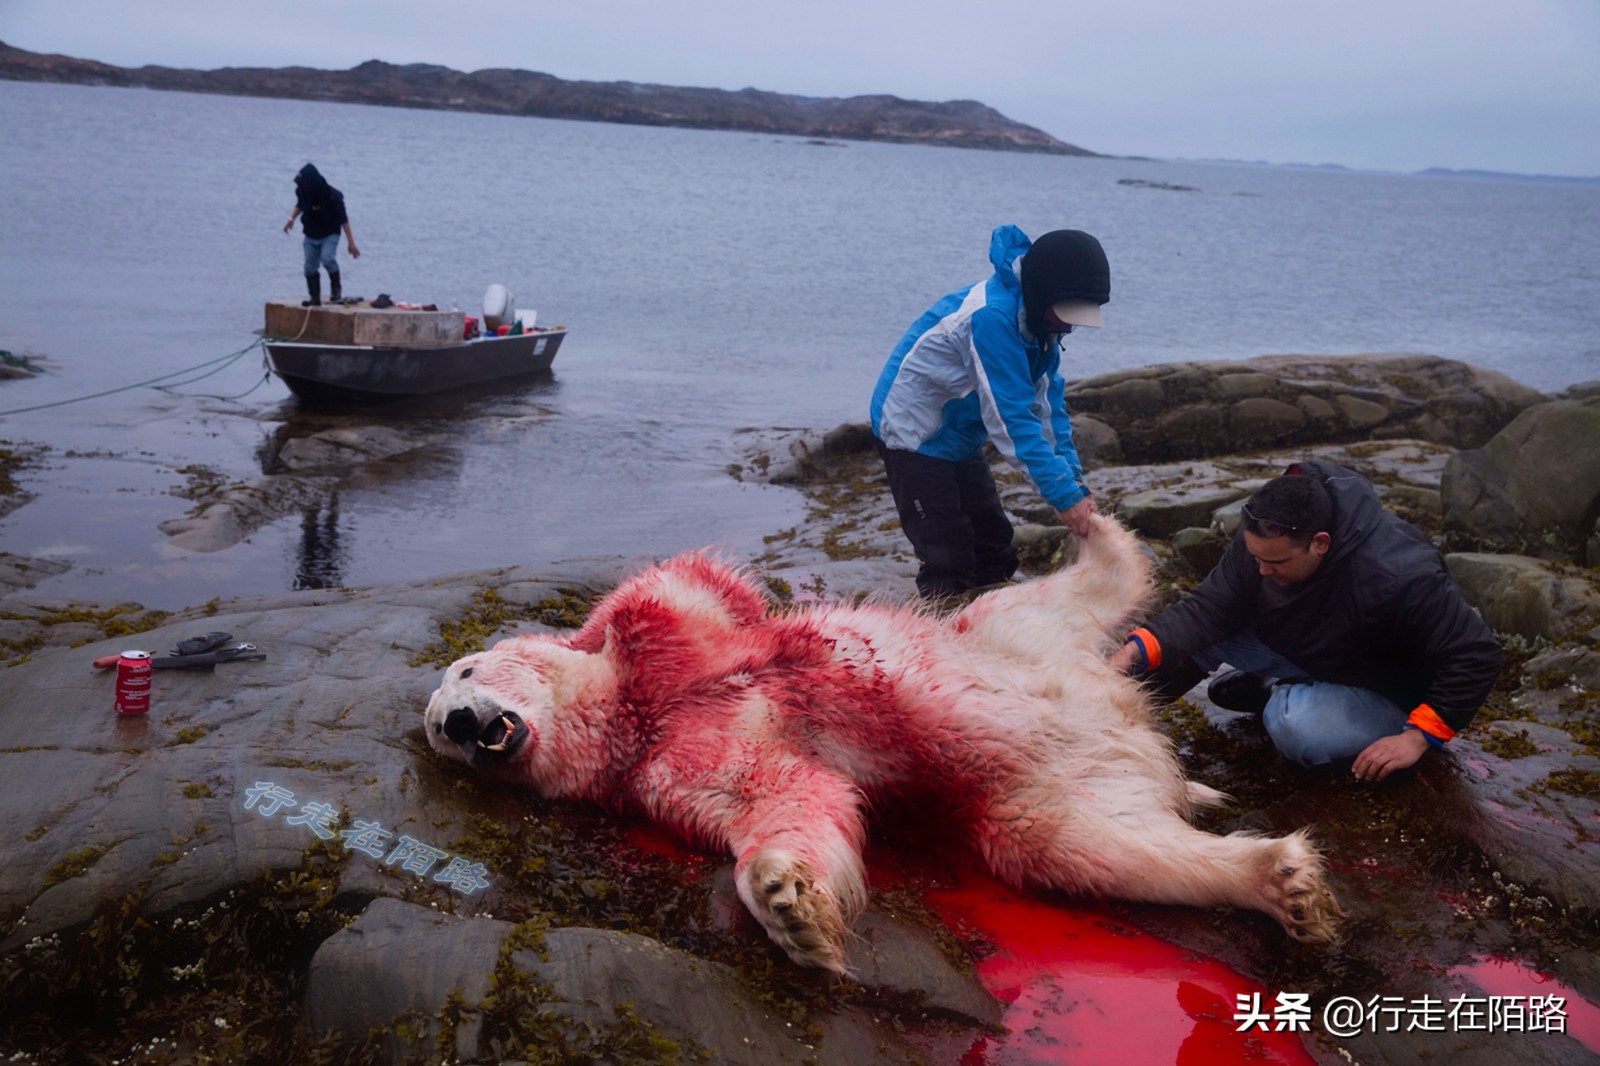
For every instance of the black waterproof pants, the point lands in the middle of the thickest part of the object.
(952, 515)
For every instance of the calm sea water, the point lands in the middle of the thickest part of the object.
(711, 282)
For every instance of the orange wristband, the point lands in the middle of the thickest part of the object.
(1427, 719)
(1149, 645)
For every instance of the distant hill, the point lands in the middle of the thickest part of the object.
(1500, 175)
(1431, 172)
(955, 123)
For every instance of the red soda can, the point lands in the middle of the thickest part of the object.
(133, 682)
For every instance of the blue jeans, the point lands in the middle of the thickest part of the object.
(321, 251)
(1310, 722)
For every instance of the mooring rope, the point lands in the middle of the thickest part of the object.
(218, 364)
(266, 368)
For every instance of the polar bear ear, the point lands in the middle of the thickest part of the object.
(609, 651)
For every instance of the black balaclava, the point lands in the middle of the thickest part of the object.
(309, 186)
(1064, 264)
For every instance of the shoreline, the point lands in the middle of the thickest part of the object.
(1273, 399)
(1476, 856)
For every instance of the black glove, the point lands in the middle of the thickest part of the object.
(202, 644)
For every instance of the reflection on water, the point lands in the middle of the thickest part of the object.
(322, 560)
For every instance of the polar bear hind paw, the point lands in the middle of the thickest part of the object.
(796, 909)
(1299, 897)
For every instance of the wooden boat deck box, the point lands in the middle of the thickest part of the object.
(362, 324)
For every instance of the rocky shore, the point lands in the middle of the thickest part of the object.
(172, 893)
(952, 123)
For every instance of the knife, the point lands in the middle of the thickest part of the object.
(202, 661)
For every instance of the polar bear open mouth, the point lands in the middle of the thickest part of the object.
(500, 738)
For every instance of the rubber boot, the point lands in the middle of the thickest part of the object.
(314, 287)
(333, 287)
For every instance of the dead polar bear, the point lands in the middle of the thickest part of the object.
(768, 736)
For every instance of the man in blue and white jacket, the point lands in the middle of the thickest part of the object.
(984, 363)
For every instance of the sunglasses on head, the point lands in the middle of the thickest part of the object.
(1266, 527)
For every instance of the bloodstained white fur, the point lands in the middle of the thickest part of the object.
(769, 735)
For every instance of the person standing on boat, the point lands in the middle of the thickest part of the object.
(320, 209)
(984, 363)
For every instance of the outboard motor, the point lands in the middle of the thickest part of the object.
(499, 309)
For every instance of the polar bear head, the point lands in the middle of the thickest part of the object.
(524, 709)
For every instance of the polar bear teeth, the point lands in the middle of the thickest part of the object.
(508, 729)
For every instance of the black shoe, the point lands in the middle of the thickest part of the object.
(334, 295)
(314, 287)
(1172, 681)
(1242, 691)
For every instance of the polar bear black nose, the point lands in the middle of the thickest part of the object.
(461, 725)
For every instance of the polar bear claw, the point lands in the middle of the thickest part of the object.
(798, 913)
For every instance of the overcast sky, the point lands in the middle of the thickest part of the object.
(1387, 84)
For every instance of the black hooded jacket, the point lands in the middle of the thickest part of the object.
(1381, 612)
(321, 205)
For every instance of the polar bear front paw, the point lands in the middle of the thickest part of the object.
(798, 912)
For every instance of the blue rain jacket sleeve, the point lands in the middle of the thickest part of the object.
(1022, 397)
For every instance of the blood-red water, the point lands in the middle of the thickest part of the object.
(1078, 986)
